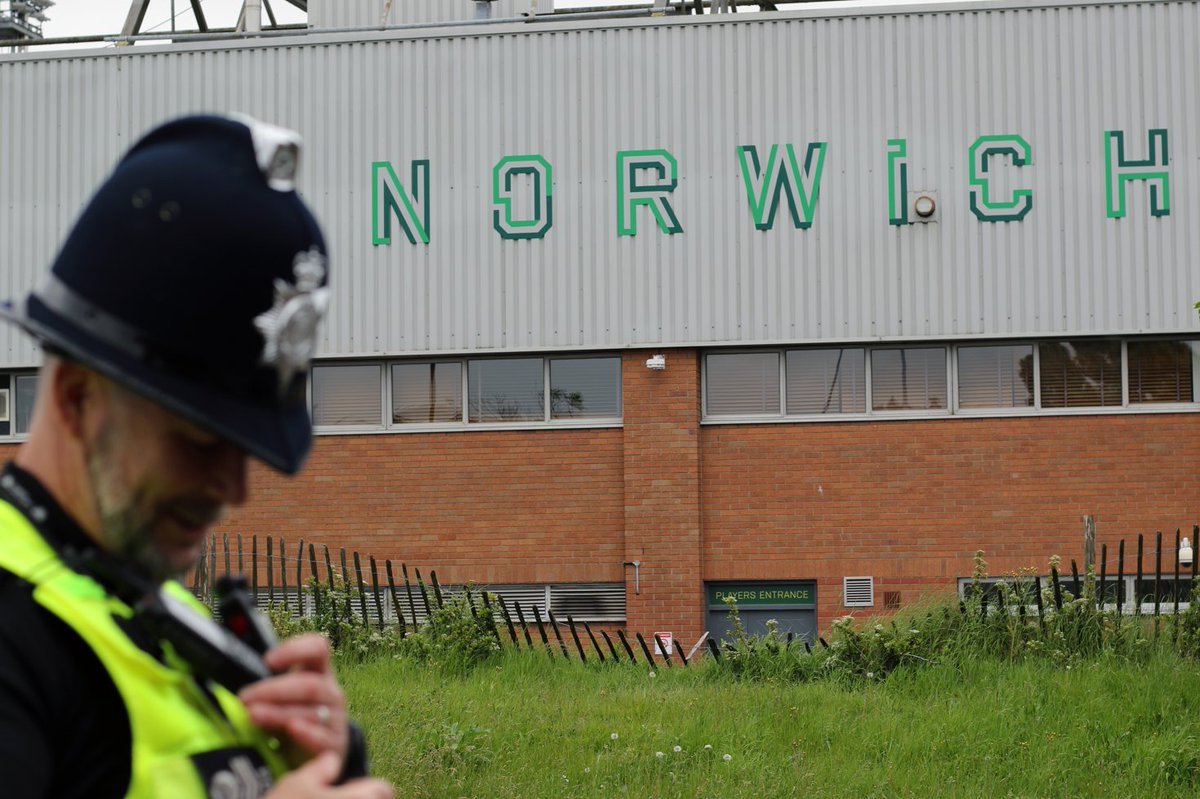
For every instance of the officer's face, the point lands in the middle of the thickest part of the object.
(160, 483)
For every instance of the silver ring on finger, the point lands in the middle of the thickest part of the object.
(323, 715)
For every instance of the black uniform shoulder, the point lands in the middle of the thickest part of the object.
(64, 731)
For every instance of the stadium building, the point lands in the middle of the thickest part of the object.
(634, 311)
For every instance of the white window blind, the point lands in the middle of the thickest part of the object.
(908, 379)
(1160, 371)
(826, 381)
(426, 392)
(347, 394)
(1080, 374)
(26, 390)
(742, 383)
(995, 377)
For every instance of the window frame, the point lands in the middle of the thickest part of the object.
(953, 409)
(12, 436)
(387, 425)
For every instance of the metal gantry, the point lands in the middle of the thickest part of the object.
(249, 19)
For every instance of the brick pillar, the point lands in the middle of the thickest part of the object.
(662, 494)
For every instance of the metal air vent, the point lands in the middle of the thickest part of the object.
(858, 592)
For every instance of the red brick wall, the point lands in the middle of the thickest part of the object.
(909, 502)
(662, 494)
(496, 507)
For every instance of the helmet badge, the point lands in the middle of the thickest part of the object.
(289, 327)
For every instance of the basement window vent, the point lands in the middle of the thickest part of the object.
(858, 592)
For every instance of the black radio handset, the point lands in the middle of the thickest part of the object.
(241, 616)
(213, 652)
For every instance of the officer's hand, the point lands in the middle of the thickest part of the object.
(303, 701)
(314, 781)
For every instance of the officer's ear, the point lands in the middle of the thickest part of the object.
(74, 388)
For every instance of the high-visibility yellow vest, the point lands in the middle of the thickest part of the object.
(183, 745)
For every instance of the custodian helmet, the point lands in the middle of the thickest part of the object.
(196, 277)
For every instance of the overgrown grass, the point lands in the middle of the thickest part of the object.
(524, 726)
(946, 700)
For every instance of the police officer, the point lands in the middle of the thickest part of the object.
(178, 322)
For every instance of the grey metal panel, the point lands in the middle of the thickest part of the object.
(1060, 76)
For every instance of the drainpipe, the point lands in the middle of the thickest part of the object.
(483, 9)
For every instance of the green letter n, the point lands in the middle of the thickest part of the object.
(389, 198)
(1118, 171)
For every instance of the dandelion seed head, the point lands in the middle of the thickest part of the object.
(677, 748)
(727, 757)
(651, 674)
(614, 736)
(708, 747)
(658, 754)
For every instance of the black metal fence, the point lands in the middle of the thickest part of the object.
(386, 597)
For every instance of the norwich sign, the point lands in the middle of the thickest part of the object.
(783, 173)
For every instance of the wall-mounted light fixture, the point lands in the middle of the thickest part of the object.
(657, 362)
(1185, 552)
(923, 206)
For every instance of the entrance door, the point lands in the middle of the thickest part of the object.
(792, 603)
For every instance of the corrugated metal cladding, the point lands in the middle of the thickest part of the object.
(357, 13)
(698, 87)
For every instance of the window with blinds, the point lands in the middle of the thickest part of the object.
(995, 377)
(347, 394)
(826, 381)
(585, 388)
(742, 383)
(506, 390)
(427, 392)
(1160, 371)
(26, 390)
(1080, 374)
(910, 379)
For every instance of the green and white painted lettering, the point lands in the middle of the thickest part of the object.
(1119, 170)
(983, 204)
(897, 168)
(631, 194)
(765, 185)
(503, 220)
(389, 198)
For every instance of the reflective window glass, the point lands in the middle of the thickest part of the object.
(426, 392)
(1080, 374)
(1160, 371)
(826, 381)
(995, 377)
(585, 388)
(912, 379)
(506, 390)
(348, 394)
(742, 383)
